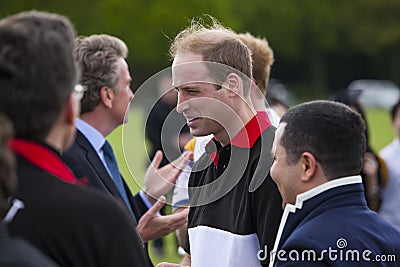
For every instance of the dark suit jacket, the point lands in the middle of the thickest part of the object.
(74, 225)
(85, 163)
(337, 220)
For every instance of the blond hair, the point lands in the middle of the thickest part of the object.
(263, 58)
(215, 43)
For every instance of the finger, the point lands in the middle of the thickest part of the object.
(183, 160)
(189, 155)
(158, 157)
(158, 205)
(177, 220)
(176, 167)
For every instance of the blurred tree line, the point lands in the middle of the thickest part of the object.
(320, 45)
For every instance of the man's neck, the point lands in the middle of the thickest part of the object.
(240, 120)
(259, 104)
(98, 122)
(60, 138)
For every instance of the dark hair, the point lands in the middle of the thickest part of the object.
(98, 57)
(37, 70)
(395, 109)
(351, 99)
(8, 177)
(331, 131)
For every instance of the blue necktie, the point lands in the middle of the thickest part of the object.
(112, 165)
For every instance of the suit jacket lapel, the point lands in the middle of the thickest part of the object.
(92, 157)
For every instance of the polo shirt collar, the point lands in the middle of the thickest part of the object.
(245, 138)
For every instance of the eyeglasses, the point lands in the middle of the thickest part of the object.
(79, 91)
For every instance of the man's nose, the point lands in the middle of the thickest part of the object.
(182, 103)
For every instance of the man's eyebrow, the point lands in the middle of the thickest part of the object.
(186, 86)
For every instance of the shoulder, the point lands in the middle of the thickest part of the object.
(390, 150)
(92, 203)
(261, 159)
(17, 252)
(80, 143)
(44, 192)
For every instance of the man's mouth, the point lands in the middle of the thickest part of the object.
(192, 121)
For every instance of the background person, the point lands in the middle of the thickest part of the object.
(391, 192)
(163, 124)
(319, 152)
(374, 172)
(166, 131)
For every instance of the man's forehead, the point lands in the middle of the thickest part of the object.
(190, 68)
(185, 71)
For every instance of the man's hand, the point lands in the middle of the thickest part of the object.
(158, 181)
(151, 225)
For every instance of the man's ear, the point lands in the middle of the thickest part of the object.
(106, 96)
(72, 109)
(234, 84)
(308, 165)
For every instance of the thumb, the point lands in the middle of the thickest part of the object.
(157, 159)
(158, 205)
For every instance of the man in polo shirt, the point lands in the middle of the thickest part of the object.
(263, 58)
(234, 208)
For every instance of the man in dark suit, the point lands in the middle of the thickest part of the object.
(104, 105)
(319, 152)
(72, 224)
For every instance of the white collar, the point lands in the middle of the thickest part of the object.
(290, 208)
(95, 138)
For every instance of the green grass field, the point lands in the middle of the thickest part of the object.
(130, 148)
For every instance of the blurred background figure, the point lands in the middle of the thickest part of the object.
(165, 130)
(391, 192)
(374, 172)
(278, 97)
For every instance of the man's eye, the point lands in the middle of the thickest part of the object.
(192, 92)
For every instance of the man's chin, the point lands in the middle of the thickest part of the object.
(197, 133)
